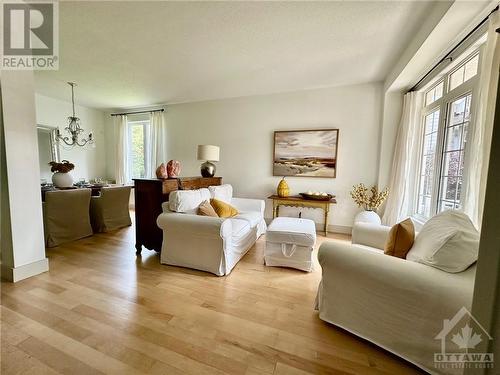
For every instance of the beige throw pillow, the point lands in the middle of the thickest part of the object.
(400, 240)
(206, 209)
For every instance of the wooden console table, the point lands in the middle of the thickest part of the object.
(298, 201)
(150, 193)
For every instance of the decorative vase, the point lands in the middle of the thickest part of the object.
(283, 189)
(62, 180)
(368, 217)
(173, 168)
(161, 171)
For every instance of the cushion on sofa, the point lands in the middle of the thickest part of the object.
(239, 227)
(187, 201)
(448, 241)
(222, 192)
(206, 209)
(223, 209)
(253, 218)
(400, 239)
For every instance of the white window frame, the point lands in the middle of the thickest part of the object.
(443, 104)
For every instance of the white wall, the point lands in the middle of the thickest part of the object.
(89, 162)
(243, 128)
(22, 241)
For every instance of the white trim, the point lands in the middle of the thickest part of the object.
(23, 272)
(342, 229)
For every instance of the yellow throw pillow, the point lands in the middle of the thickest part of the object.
(206, 209)
(400, 240)
(223, 209)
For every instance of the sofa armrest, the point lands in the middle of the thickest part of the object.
(369, 234)
(249, 205)
(199, 225)
(165, 207)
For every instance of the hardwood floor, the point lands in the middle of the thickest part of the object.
(102, 310)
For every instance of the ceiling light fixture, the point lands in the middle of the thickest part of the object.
(74, 128)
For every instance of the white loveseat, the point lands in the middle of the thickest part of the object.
(395, 303)
(205, 243)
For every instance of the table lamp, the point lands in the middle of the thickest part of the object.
(209, 153)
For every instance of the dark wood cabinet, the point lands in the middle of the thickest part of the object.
(149, 195)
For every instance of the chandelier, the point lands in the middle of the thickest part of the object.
(74, 128)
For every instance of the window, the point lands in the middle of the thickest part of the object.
(428, 163)
(446, 121)
(454, 153)
(136, 148)
(434, 94)
(464, 72)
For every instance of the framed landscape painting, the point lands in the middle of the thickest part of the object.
(306, 153)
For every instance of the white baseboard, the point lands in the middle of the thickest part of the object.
(342, 229)
(23, 272)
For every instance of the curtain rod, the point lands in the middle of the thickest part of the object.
(136, 113)
(447, 56)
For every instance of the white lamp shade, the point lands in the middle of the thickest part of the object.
(208, 152)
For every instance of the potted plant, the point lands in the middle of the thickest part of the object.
(370, 200)
(61, 177)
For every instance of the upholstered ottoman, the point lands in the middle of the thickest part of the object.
(290, 242)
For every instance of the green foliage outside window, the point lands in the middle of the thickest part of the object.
(137, 151)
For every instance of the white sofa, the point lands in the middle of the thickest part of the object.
(205, 243)
(395, 303)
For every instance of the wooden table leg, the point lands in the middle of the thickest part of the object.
(326, 218)
(138, 248)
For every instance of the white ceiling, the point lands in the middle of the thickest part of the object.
(132, 54)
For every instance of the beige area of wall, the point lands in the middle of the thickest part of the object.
(243, 128)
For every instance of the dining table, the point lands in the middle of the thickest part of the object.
(96, 188)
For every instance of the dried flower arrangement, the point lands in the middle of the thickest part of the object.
(62, 167)
(371, 199)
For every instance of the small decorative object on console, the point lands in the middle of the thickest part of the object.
(209, 153)
(161, 171)
(173, 168)
(317, 196)
(62, 178)
(283, 189)
(371, 199)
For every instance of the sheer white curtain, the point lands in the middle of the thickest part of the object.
(478, 146)
(156, 143)
(404, 165)
(121, 149)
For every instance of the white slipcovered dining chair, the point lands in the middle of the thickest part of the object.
(110, 210)
(66, 216)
